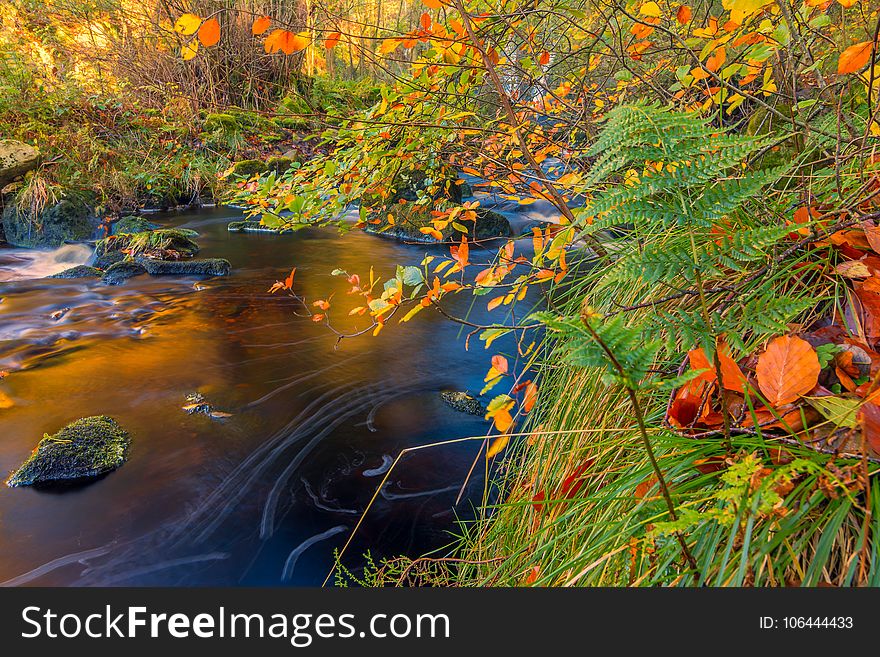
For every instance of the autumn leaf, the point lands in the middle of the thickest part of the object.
(425, 21)
(261, 25)
(854, 58)
(688, 403)
(544, 59)
(497, 446)
(288, 282)
(209, 32)
(189, 50)
(433, 4)
(331, 40)
(286, 41)
(499, 362)
(531, 396)
(869, 419)
(732, 375)
(389, 46)
(683, 15)
(787, 369)
(716, 59)
(187, 24)
(651, 9)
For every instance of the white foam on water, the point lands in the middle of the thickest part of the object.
(24, 264)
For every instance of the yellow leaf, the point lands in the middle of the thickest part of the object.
(388, 46)
(189, 50)
(651, 9)
(209, 32)
(854, 58)
(747, 7)
(846, 4)
(497, 446)
(187, 24)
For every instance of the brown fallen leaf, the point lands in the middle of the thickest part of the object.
(787, 369)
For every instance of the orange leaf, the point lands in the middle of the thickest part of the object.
(388, 46)
(530, 397)
(869, 419)
(500, 363)
(788, 369)
(717, 59)
(733, 377)
(286, 41)
(544, 59)
(687, 406)
(432, 4)
(331, 40)
(425, 21)
(854, 58)
(261, 25)
(209, 32)
(494, 303)
(683, 15)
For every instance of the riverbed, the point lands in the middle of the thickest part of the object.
(264, 496)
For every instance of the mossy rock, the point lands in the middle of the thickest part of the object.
(86, 448)
(220, 122)
(69, 220)
(490, 224)
(280, 164)
(250, 226)
(463, 402)
(106, 260)
(132, 224)
(80, 271)
(248, 168)
(16, 159)
(120, 272)
(163, 242)
(205, 267)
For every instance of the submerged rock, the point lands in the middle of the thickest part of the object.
(80, 271)
(132, 224)
(120, 272)
(205, 267)
(196, 404)
(68, 220)
(16, 159)
(463, 402)
(250, 226)
(85, 448)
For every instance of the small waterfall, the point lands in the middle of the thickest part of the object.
(21, 264)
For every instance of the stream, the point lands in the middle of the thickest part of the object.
(263, 497)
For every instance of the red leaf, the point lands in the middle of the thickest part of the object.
(869, 419)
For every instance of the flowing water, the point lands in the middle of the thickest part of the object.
(261, 497)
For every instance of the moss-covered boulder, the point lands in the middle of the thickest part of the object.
(86, 448)
(69, 220)
(166, 243)
(408, 224)
(248, 168)
(80, 271)
(463, 402)
(16, 159)
(132, 224)
(205, 267)
(250, 226)
(108, 259)
(120, 272)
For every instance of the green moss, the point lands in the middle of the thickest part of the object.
(133, 224)
(280, 164)
(248, 168)
(120, 272)
(166, 242)
(69, 220)
(85, 448)
(80, 271)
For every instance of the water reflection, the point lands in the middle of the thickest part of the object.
(261, 497)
